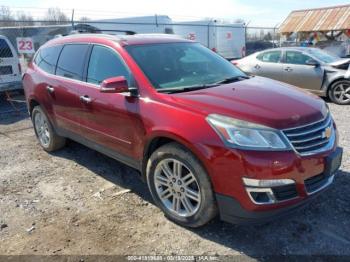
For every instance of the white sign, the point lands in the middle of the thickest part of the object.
(25, 45)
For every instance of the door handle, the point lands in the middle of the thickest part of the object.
(50, 89)
(85, 99)
(288, 69)
(257, 66)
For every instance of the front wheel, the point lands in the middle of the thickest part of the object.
(180, 186)
(339, 92)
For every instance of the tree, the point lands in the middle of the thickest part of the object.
(24, 19)
(55, 16)
(84, 19)
(6, 16)
(239, 21)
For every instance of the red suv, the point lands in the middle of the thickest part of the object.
(207, 138)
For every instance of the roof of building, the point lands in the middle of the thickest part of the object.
(318, 19)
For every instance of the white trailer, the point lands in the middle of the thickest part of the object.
(226, 39)
(138, 25)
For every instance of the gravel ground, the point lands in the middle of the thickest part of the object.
(77, 201)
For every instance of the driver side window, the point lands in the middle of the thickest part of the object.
(296, 58)
(105, 63)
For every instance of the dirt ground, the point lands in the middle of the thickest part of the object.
(74, 202)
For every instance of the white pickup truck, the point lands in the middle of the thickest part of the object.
(10, 69)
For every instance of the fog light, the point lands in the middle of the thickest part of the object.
(267, 182)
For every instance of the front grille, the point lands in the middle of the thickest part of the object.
(312, 137)
(316, 183)
(5, 70)
(285, 192)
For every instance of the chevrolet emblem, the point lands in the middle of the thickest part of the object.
(327, 133)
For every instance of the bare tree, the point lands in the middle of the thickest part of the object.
(6, 17)
(24, 19)
(84, 19)
(55, 16)
(239, 21)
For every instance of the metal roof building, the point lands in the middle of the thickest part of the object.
(335, 18)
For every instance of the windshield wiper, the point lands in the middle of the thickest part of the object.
(172, 90)
(232, 79)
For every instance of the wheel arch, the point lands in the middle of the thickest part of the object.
(161, 138)
(333, 81)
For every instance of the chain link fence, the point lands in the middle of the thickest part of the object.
(211, 33)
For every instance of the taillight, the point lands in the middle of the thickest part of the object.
(234, 62)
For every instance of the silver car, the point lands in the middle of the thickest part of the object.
(310, 68)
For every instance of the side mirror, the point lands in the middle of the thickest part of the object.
(312, 62)
(114, 85)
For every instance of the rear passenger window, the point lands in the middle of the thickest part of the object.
(47, 57)
(71, 61)
(105, 63)
(5, 50)
(270, 57)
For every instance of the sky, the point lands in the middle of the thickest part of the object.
(255, 12)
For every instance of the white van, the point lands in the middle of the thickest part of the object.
(226, 39)
(138, 25)
(10, 72)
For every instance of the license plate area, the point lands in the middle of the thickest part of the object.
(333, 162)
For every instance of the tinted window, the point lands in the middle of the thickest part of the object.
(105, 63)
(271, 56)
(47, 57)
(176, 65)
(5, 50)
(297, 58)
(71, 61)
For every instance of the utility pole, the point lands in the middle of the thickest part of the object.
(72, 19)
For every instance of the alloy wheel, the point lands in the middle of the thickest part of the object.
(177, 187)
(42, 129)
(341, 93)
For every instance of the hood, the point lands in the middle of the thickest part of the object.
(340, 62)
(259, 100)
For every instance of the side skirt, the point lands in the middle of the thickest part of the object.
(102, 149)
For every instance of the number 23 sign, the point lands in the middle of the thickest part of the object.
(25, 45)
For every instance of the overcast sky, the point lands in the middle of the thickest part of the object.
(258, 12)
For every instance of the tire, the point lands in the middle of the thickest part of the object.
(339, 92)
(191, 203)
(43, 128)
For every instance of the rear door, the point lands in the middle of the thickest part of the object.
(297, 72)
(9, 63)
(64, 88)
(267, 64)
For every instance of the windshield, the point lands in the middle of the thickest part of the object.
(323, 56)
(179, 65)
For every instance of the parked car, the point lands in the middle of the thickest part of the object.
(10, 69)
(206, 137)
(311, 68)
(257, 46)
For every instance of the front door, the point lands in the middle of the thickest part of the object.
(110, 120)
(297, 72)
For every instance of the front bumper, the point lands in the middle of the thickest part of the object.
(310, 173)
(14, 85)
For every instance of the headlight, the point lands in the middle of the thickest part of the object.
(241, 134)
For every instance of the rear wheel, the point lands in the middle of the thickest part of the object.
(339, 92)
(180, 186)
(46, 135)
